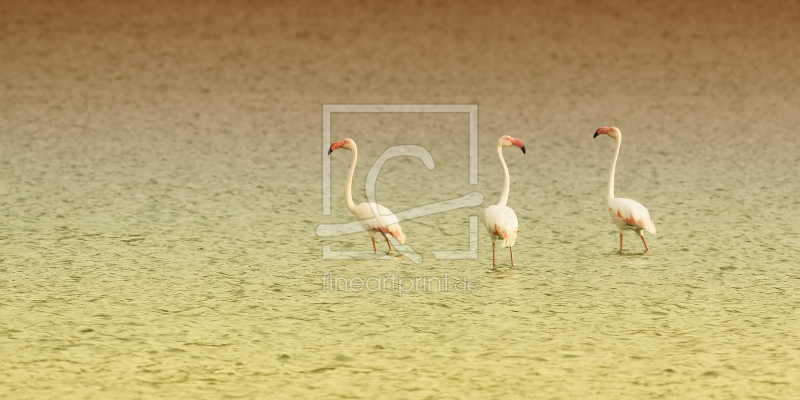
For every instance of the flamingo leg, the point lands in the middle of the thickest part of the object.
(645, 244)
(387, 242)
(374, 247)
(493, 264)
(511, 249)
(620, 242)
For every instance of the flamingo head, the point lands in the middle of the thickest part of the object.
(347, 144)
(611, 131)
(506, 141)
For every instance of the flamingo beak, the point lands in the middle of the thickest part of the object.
(518, 143)
(601, 131)
(335, 146)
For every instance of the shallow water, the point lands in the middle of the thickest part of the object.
(161, 189)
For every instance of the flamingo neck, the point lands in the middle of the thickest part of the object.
(613, 169)
(348, 192)
(506, 178)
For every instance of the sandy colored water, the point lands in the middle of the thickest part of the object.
(160, 190)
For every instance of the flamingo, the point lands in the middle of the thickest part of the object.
(625, 213)
(385, 222)
(499, 219)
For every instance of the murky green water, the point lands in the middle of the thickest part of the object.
(161, 186)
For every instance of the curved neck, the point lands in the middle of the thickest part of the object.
(348, 193)
(613, 168)
(506, 178)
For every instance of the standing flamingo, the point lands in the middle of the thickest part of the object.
(385, 221)
(499, 219)
(626, 213)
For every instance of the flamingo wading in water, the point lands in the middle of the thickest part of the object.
(385, 221)
(499, 219)
(626, 213)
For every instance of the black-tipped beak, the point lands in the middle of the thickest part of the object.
(595, 134)
(330, 150)
(523, 149)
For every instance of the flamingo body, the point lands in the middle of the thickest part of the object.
(501, 223)
(630, 214)
(386, 222)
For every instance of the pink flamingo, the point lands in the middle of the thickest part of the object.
(500, 220)
(626, 213)
(385, 221)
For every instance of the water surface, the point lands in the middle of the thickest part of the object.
(161, 176)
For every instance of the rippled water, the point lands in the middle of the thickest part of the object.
(160, 194)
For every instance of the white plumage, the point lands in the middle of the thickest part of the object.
(385, 223)
(629, 214)
(501, 223)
